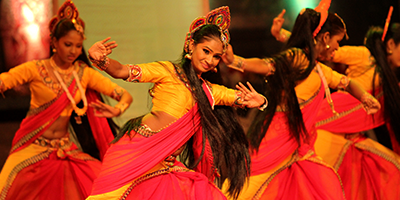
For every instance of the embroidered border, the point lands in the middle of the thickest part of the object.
(18, 168)
(342, 154)
(343, 113)
(295, 158)
(377, 152)
(152, 175)
(44, 75)
(28, 137)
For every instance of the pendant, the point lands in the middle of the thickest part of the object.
(78, 119)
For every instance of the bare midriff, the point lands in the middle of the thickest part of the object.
(58, 129)
(158, 120)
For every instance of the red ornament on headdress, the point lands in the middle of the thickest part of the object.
(322, 8)
(220, 17)
(67, 11)
(385, 29)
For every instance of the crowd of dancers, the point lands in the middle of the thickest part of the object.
(307, 140)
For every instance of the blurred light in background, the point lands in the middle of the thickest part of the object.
(295, 6)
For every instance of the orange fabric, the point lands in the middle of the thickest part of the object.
(305, 175)
(166, 85)
(43, 89)
(369, 173)
(65, 174)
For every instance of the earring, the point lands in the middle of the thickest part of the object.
(189, 55)
(389, 52)
(327, 46)
(54, 50)
(215, 70)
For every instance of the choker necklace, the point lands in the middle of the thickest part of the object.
(79, 111)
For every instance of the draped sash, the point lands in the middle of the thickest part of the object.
(34, 126)
(351, 117)
(278, 143)
(130, 158)
(101, 130)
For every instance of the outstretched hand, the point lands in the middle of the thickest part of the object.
(251, 98)
(277, 24)
(102, 48)
(104, 110)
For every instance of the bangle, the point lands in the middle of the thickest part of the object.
(238, 63)
(271, 65)
(100, 64)
(264, 105)
(122, 107)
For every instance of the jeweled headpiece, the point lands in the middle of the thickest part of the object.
(220, 17)
(67, 11)
(322, 8)
(385, 29)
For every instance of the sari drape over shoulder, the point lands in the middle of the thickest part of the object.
(129, 160)
(294, 172)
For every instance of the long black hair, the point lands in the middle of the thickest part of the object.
(82, 131)
(387, 75)
(226, 136)
(279, 88)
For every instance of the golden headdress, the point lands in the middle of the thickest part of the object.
(220, 17)
(67, 11)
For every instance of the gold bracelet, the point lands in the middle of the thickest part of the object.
(264, 105)
(270, 63)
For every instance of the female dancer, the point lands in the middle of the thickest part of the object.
(284, 165)
(368, 170)
(44, 163)
(142, 164)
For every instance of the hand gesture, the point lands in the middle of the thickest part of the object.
(371, 105)
(101, 49)
(104, 110)
(277, 24)
(228, 57)
(251, 98)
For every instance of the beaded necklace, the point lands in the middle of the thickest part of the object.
(79, 111)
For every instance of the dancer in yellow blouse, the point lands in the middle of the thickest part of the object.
(189, 114)
(44, 163)
(284, 164)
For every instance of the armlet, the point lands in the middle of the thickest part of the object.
(135, 73)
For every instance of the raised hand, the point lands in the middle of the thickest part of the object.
(101, 49)
(104, 110)
(228, 56)
(277, 24)
(251, 98)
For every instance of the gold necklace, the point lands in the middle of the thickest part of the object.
(64, 72)
(79, 111)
